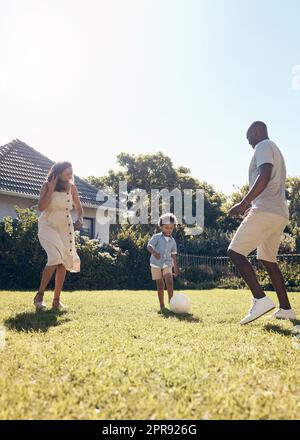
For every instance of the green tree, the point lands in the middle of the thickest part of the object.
(293, 195)
(156, 171)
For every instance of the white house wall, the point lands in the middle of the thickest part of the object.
(8, 203)
(101, 230)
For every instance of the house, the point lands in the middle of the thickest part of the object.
(23, 170)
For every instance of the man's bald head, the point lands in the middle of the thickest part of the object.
(257, 132)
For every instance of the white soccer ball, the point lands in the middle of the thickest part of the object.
(180, 304)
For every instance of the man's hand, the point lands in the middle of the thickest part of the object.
(261, 183)
(239, 209)
(176, 271)
(156, 255)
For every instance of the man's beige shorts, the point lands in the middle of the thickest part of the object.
(262, 231)
(159, 274)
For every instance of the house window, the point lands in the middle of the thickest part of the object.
(88, 227)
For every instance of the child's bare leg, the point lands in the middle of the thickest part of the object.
(160, 291)
(170, 285)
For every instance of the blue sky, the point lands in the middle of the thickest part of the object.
(85, 80)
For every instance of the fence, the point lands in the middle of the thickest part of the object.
(186, 261)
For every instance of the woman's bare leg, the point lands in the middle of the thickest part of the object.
(59, 281)
(46, 277)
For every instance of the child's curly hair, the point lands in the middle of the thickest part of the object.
(167, 219)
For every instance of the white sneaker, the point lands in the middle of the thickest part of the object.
(260, 307)
(285, 314)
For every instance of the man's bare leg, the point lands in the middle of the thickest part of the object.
(278, 283)
(247, 272)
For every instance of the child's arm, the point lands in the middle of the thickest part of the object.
(176, 271)
(153, 252)
(174, 258)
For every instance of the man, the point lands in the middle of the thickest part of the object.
(262, 228)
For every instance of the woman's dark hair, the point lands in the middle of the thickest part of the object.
(56, 170)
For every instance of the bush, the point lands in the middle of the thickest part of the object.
(291, 274)
(231, 282)
(198, 274)
(211, 242)
(124, 264)
(101, 267)
(137, 265)
(21, 256)
(288, 244)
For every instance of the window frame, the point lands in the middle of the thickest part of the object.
(92, 227)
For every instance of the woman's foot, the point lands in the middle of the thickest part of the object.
(58, 305)
(38, 301)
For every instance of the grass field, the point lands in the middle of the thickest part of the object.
(112, 356)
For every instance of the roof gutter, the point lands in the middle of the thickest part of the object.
(33, 197)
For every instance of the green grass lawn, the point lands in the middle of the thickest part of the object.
(111, 355)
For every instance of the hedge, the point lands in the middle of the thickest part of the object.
(124, 264)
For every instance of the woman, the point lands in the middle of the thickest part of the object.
(56, 231)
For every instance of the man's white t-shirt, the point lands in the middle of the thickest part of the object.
(273, 198)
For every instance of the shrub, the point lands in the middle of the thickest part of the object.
(212, 242)
(124, 264)
(21, 256)
(291, 274)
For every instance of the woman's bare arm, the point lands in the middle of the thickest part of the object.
(77, 205)
(46, 194)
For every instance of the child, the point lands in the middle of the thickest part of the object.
(163, 250)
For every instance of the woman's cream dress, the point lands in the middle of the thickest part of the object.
(56, 232)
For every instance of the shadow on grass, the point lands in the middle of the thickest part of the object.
(274, 328)
(39, 321)
(168, 314)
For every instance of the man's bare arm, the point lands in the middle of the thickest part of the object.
(261, 183)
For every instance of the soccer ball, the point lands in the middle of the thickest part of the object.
(180, 304)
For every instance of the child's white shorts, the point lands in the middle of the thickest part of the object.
(159, 274)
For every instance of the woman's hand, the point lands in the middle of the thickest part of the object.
(52, 183)
(78, 224)
(247, 213)
(77, 204)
